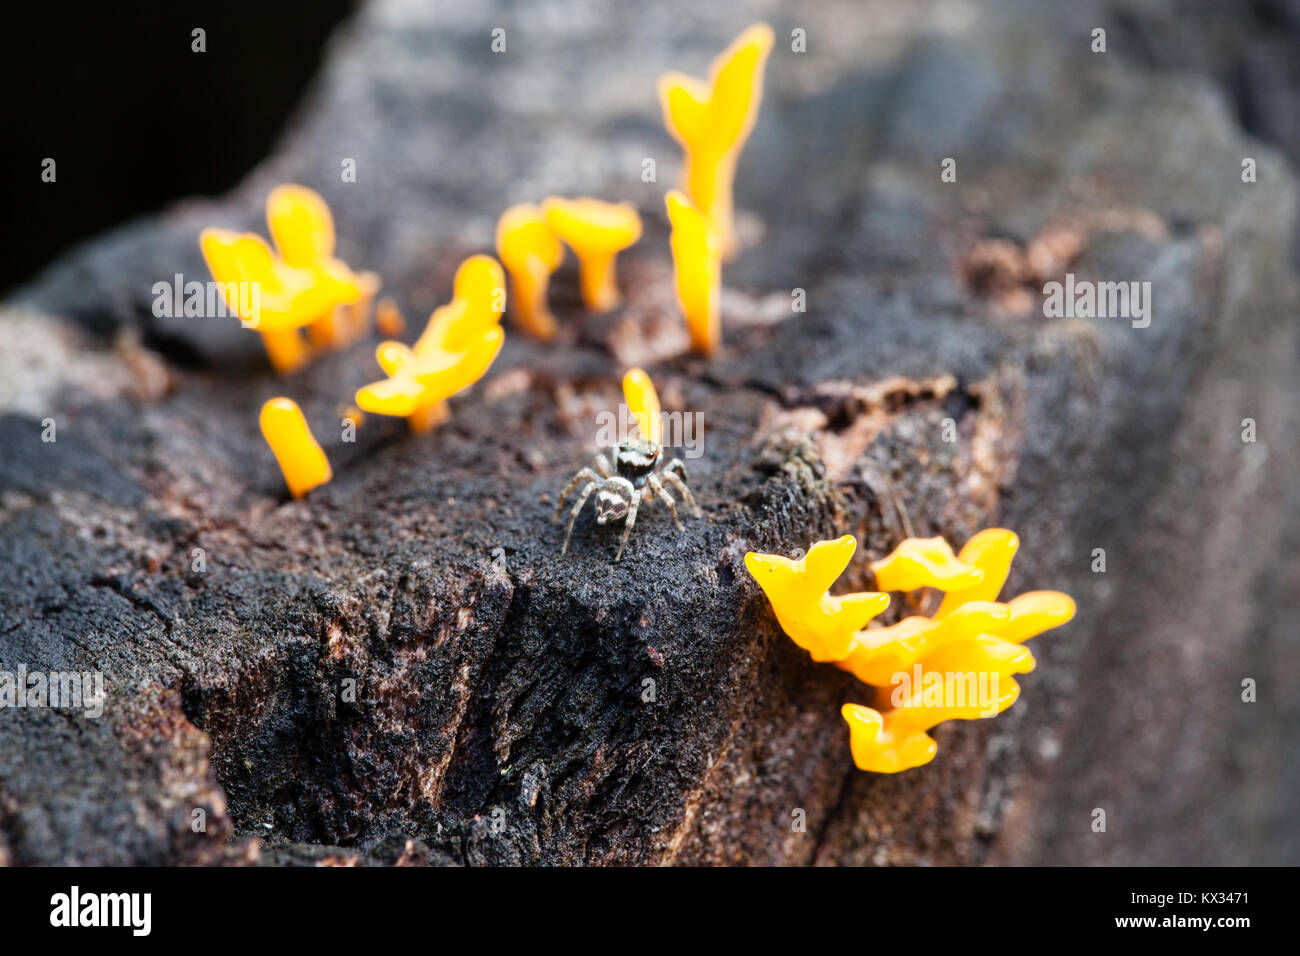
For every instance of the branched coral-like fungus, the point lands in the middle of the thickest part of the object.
(822, 624)
(957, 665)
(713, 119)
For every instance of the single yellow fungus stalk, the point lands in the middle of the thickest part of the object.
(824, 625)
(300, 456)
(643, 402)
(924, 563)
(303, 230)
(957, 665)
(460, 343)
(697, 271)
(597, 232)
(531, 251)
(713, 119)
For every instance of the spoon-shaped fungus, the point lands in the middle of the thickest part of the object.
(643, 404)
(302, 228)
(822, 624)
(697, 271)
(957, 665)
(295, 448)
(460, 343)
(597, 232)
(530, 251)
(713, 119)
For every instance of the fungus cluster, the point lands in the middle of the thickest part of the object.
(955, 665)
(304, 287)
(301, 287)
(711, 120)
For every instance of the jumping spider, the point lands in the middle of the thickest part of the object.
(620, 494)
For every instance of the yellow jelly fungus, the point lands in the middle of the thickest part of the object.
(991, 551)
(531, 251)
(1034, 612)
(643, 402)
(477, 304)
(713, 119)
(879, 747)
(303, 286)
(302, 228)
(460, 343)
(697, 271)
(896, 739)
(300, 456)
(921, 658)
(924, 562)
(597, 232)
(418, 386)
(269, 296)
(822, 624)
(877, 654)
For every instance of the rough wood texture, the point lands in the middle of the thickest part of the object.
(493, 674)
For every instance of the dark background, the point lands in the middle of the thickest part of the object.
(109, 90)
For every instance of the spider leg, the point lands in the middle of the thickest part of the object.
(631, 520)
(677, 479)
(573, 515)
(662, 492)
(602, 466)
(585, 474)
